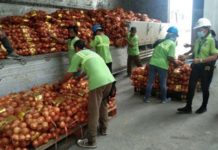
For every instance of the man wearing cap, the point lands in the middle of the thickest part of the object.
(204, 53)
(101, 44)
(133, 50)
(164, 52)
(73, 30)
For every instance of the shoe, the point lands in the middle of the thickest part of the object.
(86, 144)
(166, 101)
(185, 110)
(102, 132)
(146, 100)
(201, 110)
(13, 55)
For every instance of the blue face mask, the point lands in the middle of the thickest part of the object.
(201, 34)
(171, 37)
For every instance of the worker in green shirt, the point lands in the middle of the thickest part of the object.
(204, 53)
(70, 42)
(101, 44)
(100, 82)
(164, 52)
(133, 50)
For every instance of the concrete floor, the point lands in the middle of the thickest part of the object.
(155, 126)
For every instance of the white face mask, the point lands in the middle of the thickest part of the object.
(201, 34)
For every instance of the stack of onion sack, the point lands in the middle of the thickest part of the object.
(177, 81)
(31, 118)
(29, 33)
(74, 89)
(18, 40)
(3, 53)
(178, 78)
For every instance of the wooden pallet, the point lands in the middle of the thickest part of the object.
(79, 131)
(156, 93)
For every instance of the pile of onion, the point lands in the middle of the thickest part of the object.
(35, 116)
(177, 81)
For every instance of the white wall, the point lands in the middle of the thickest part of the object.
(211, 12)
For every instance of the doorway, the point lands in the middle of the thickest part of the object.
(180, 15)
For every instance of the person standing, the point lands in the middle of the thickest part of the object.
(100, 82)
(164, 52)
(133, 50)
(73, 30)
(204, 53)
(101, 44)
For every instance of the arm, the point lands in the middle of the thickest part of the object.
(206, 60)
(94, 42)
(174, 61)
(73, 71)
(189, 45)
(213, 52)
(66, 77)
(129, 42)
(171, 55)
(6, 43)
(59, 40)
(186, 55)
(189, 52)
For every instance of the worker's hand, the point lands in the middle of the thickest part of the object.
(197, 61)
(181, 57)
(187, 45)
(178, 63)
(130, 44)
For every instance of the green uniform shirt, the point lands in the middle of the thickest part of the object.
(101, 44)
(70, 46)
(94, 66)
(205, 47)
(161, 52)
(133, 50)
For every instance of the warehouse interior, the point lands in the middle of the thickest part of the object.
(34, 115)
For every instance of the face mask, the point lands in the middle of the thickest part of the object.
(200, 34)
(171, 37)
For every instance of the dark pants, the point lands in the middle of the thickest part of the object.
(153, 70)
(97, 111)
(211, 76)
(212, 70)
(202, 72)
(130, 60)
(109, 65)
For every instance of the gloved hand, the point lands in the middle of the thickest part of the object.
(181, 57)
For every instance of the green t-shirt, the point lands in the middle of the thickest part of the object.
(70, 46)
(161, 52)
(133, 50)
(94, 66)
(101, 44)
(205, 47)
